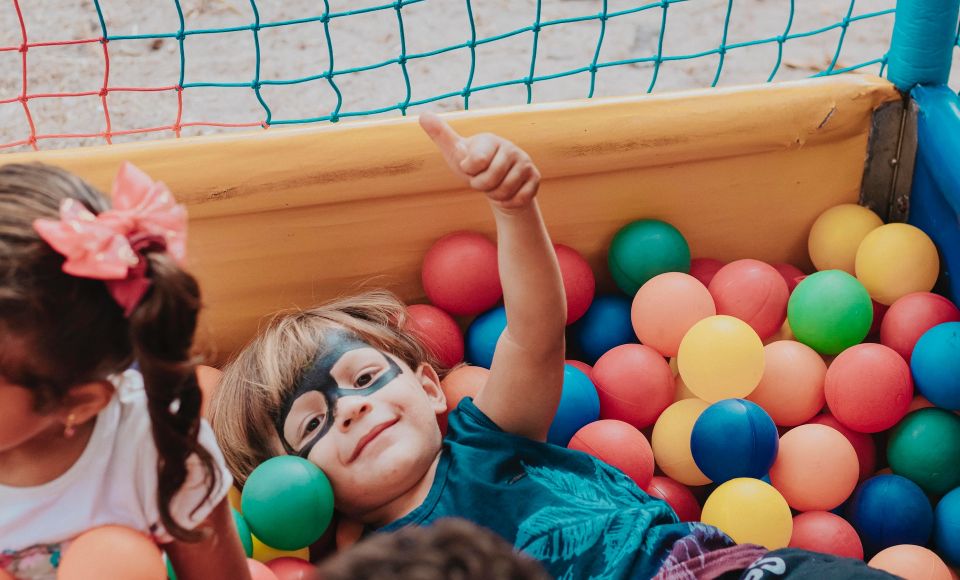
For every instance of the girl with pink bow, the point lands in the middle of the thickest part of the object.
(86, 291)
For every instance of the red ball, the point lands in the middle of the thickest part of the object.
(704, 269)
(879, 313)
(460, 274)
(863, 443)
(260, 571)
(582, 366)
(438, 331)
(826, 533)
(868, 387)
(618, 444)
(754, 292)
(635, 384)
(911, 316)
(292, 569)
(679, 496)
(578, 281)
(791, 274)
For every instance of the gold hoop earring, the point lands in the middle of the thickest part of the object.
(70, 430)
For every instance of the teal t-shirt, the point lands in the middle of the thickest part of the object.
(578, 516)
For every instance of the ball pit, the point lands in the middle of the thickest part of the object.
(827, 533)
(643, 249)
(621, 445)
(754, 292)
(836, 235)
(734, 438)
(260, 571)
(721, 357)
(666, 307)
(460, 274)
(634, 383)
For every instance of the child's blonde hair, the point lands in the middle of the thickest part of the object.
(244, 409)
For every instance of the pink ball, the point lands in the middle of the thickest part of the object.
(618, 444)
(816, 468)
(826, 533)
(754, 292)
(666, 307)
(911, 316)
(704, 269)
(582, 366)
(260, 571)
(868, 388)
(438, 332)
(635, 384)
(677, 495)
(292, 569)
(460, 274)
(579, 284)
(863, 443)
(791, 274)
(791, 388)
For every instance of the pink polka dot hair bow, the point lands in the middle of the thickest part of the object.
(110, 246)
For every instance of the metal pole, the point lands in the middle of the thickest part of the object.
(922, 45)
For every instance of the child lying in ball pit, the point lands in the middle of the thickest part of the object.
(344, 386)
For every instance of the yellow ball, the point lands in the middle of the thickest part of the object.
(751, 512)
(895, 260)
(671, 441)
(837, 234)
(264, 553)
(682, 391)
(233, 495)
(721, 357)
(785, 333)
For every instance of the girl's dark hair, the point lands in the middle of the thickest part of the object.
(57, 330)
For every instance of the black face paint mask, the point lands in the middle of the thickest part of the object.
(318, 379)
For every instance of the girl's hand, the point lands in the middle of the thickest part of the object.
(489, 163)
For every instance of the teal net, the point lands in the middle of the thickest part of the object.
(115, 70)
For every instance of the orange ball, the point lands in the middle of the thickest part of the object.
(826, 533)
(618, 444)
(464, 381)
(754, 292)
(634, 383)
(911, 562)
(260, 571)
(666, 307)
(816, 468)
(791, 389)
(863, 443)
(112, 552)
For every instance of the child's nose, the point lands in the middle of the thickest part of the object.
(351, 409)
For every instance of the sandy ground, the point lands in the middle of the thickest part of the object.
(300, 50)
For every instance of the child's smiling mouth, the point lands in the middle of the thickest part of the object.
(370, 436)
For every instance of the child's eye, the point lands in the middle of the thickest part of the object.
(364, 379)
(313, 425)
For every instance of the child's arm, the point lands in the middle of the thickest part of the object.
(526, 376)
(218, 555)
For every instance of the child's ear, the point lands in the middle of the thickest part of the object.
(430, 382)
(85, 401)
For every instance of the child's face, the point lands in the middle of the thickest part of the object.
(366, 419)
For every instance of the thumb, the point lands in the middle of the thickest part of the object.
(448, 141)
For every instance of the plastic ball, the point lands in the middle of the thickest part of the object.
(233, 496)
(911, 316)
(682, 391)
(634, 383)
(482, 336)
(791, 274)
(895, 260)
(879, 313)
(264, 553)
(754, 292)
(643, 249)
(677, 495)
(243, 531)
(112, 552)
(287, 502)
(785, 333)
(887, 510)
(605, 325)
(582, 366)
(671, 441)
(618, 444)
(460, 274)
(579, 284)
(911, 563)
(946, 534)
(868, 388)
(463, 381)
(830, 311)
(751, 512)
(438, 331)
(260, 571)
(936, 365)
(292, 569)
(836, 235)
(791, 389)
(666, 307)
(734, 438)
(721, 357)
(704, 269)
(579, 405)
(919, 402)
(863, 443)
(826, 533)
(925, 448)
(816, 468)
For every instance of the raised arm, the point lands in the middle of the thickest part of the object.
(526, 376)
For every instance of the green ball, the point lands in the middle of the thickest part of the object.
(287, 502)
(830, 311)
(925, 448)
(644, 249)
(243, 530)
(171, 575)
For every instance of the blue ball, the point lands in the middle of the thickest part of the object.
(935, 363)
(606, 324)
(888, 510)
(482, 336)
(734, 438)
(579, 406)
(946, 527)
